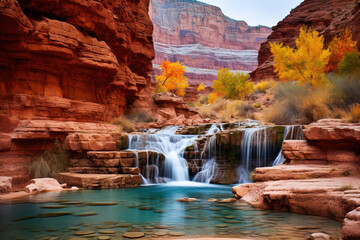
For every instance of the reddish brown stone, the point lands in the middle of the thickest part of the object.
(130, 170)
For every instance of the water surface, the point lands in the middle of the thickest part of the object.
(147, 207)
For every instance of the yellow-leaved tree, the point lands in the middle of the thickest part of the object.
(306, 63)
(201, 87)
(339, 46)
(230, 85)
(172, 78)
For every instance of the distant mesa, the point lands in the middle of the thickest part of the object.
(203, 38)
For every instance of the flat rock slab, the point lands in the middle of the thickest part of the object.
(133, 235)
(82, 233)
(101, 180)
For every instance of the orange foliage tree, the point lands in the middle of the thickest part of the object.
(341, 44)
(172, 78)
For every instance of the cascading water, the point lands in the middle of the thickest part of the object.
(256, 149)
(289, 133)
(208, 156)
(172, 146)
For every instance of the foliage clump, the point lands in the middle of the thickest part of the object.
(230, 85)
(172, 78)
(315, 94)
(306, 63)
(50, 163)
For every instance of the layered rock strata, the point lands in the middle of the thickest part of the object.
(203, 38)
(322, 178)
(328, 17)
(72, 60)
(66, 68)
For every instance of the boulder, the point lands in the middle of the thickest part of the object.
(187, 199)
(320, 236)
(5, 184)
(43, 184)
(90, 142)
(167, 98)
(351, 225)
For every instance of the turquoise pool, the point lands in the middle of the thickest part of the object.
(154, 211)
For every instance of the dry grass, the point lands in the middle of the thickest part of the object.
(226, 110)
(315, 106)
(50, 163)
(265, 85)
(355, 113)
(124, 124)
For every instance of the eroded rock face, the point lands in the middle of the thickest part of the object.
(203, 38)
(72, 60)
(328, 17)
(322, 177)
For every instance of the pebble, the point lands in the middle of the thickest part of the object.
(53, 206)
(103, 237)
(81, 233)
(102, 203)
(212, 200)
(106, 231)
(77, 238)
(176, 234)
(161, 227)
(111, 222)
(86, 214)
(145, 208)
(161, 233)
(133, 234)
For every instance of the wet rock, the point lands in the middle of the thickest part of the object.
(187, 199)
(77, 238)
(82, 233)
(133, 235)
(103, 237)
(102, 204)
(161, 227)
(53, 206)
(176, 234)
(106, 232)
(212, 200)
(54, 214)
(86, 214)
(161, 233)
(146, 208)
(320, 236)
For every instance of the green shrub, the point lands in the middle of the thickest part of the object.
(50, 163)
(350, 65)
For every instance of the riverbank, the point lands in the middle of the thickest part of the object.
(320, 177)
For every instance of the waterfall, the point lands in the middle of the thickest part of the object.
(208, 156)
(289, 135)
(172, 146)
(255, 151)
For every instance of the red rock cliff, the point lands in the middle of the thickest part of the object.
(76, 60)
(203, 38)
(328, 17)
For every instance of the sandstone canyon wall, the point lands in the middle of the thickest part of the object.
(72, 59)
(203, 38)
(66, 67)
(328, 17)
